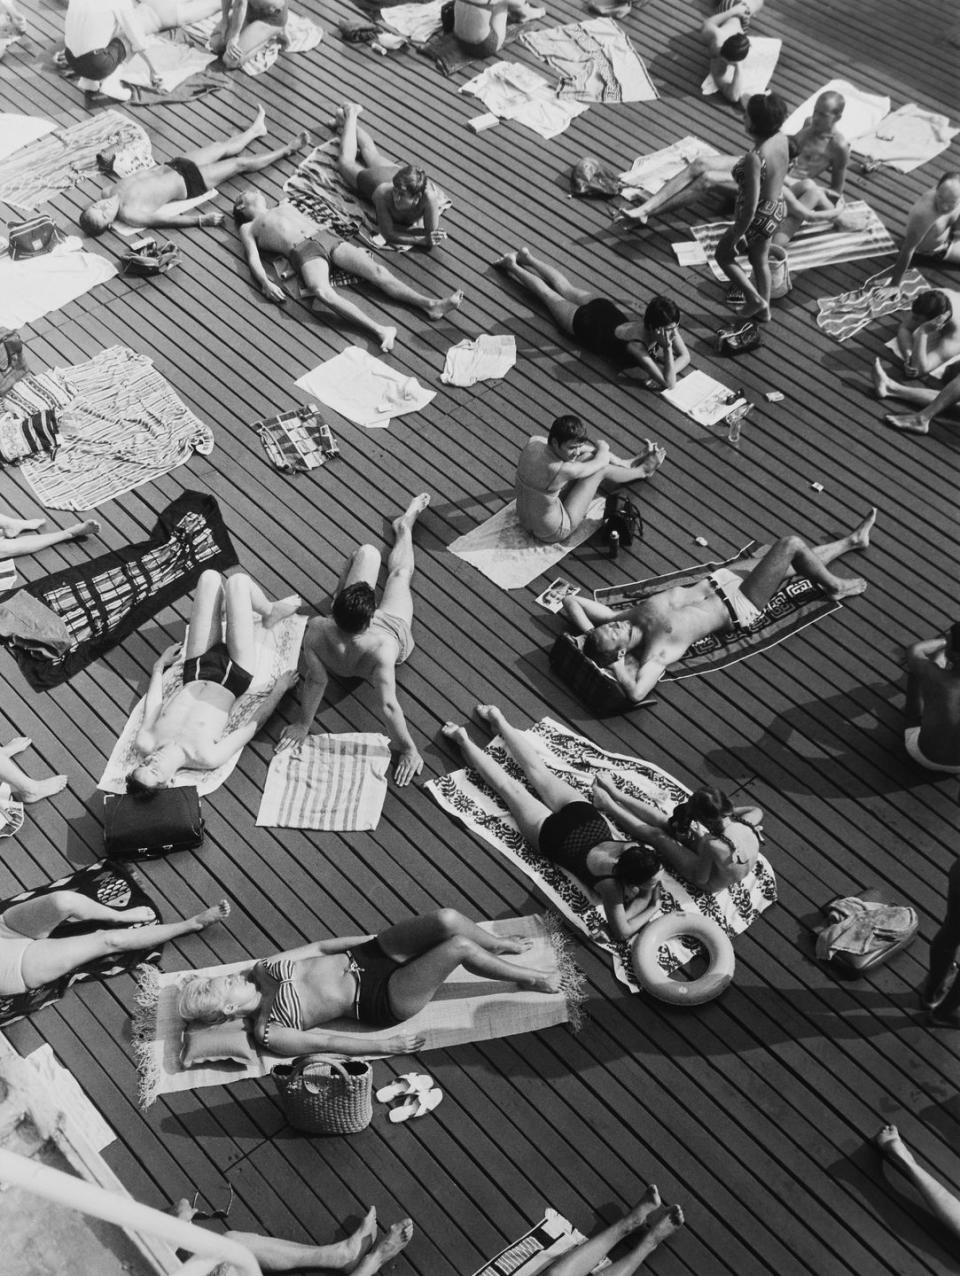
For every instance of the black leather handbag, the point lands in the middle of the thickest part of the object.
(136, 828)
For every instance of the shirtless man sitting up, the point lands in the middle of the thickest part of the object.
(188, 731)
(932, 229)
(559, 476)
(932, 732)
(360, 640)
(311, 251)
(929, 336)
(641, 642)
(138, 199)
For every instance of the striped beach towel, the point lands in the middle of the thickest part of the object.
(64, 158)
(844, 316)
(816, 244)
(329, 782)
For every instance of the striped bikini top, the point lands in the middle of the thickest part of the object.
(286, 1009)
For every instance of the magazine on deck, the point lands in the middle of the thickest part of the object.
(704, 399)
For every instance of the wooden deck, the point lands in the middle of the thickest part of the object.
(754, 1112)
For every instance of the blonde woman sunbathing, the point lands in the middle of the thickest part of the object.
(378, 980)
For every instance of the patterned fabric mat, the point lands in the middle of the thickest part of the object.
(578, 760)
(595, 60)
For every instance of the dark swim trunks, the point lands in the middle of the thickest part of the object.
(192, 177)
(321, 245)
(595, 324)
(373, 970)
(269, 16)
(98, 64)
(215, 665)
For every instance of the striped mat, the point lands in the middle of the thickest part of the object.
(328, 782)
(62, 159)
(816, 245)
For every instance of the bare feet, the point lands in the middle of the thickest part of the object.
(397, 1238)
(860, 537)
(524, 256)
(848, 586)
(506, 261)
(80, 530)
(259, 126)
(411, 513)
(671, 1222)
(37, 790)
(437, 309)
(17, 745)
(911, 422)
(890, 1145)
(134, 916)
(541, 980)
(649, 462)
(14, 526)
(218, 913)
(513, 947)
(281, 609)
(649, 1202)
(455, 732)
(299, 142)
(491, 714)
(881, 382)
(354, 1247)
(388, 339)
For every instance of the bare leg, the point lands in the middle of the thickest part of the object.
(551, 288)
(526, 809)
(397, 598)
(636, 806)
(726, 255)
(700, 177)
(759, 256)
(661, 1231)
(555, 793)
(788, 554)
(396, 1239)
(242, 597)
(38, 917)
(353, 139)
(49, 959)
(23, 787)
(325, 294)
(276, 1255)
(205, 627)
(10, 526)
(225, 169)
(582, 1260)
(362, 565)
(942, 1204)
(858, 539)
(579, 495)
(216, 151)
(934, 402)
(43, 540)
(357, 261)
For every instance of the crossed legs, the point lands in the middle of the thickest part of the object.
(229, 603)
(933, 402)
(358, 150)
(766, 572)
(550, 286)
(704, 176)
(582, 1260)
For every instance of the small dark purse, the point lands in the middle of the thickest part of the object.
(150, 258)
(33, 237)
(740, 339)
(622, 517)
(136, 828)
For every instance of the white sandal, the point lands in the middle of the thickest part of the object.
(417, 1105)
(409, 1083)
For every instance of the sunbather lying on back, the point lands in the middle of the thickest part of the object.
(311, 250)
(136, 199)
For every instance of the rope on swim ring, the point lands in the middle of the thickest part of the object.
(653, 979)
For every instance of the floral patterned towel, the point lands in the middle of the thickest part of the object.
(578, 760)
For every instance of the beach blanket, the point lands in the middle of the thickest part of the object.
(907, 138)
(39, 285)
(466, 1008)
(300, 34)
(106, 598)
(578, 761)
(861, 114)
(112, 884)
(514, 91)
(595, 60)
(756, 70)
(444, 49)
(487, 358)
(848, 313)
(329, 782)
(798, 603)
(174, 63)
(650, 173)
(545, 1241)
(278, 650)
(17, 131)
(817, 244)
(121, 426)
(416, 21)
(510, 556)
(67, 156)
(364, 389)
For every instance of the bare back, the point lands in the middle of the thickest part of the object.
(350, 655)
(940, 718)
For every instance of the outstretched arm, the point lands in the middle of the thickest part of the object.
(159, 221)
(311, 697)
(409, 763)
(272, 291)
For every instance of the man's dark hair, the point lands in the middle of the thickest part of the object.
(953, 641)
(948, 177)
(137, 789)
(637, 864)
(662, 312)
(241, 213)
(593, 651)
(567, 429)
(353, 608)
(931, 304)
(767, 113)
(411, 181)
(735, 48)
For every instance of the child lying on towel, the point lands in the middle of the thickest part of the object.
(380, 981)
(188, 730)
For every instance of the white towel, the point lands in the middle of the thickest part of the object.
(510, 556)
(365, 390)
(174, 63)
(329, 782)
(32, 288)
(278, 650)
(907, 138)
(514, 91)
(21, 130)
(487, 359)
(418, 22)
(862, 113)
(651, 172)
(756, 71)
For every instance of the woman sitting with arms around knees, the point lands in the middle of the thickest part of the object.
(707, 841)
(380, 981)
(928, 337)
(598, 324)
(565, 829)
(30, 958)
(559, 476)
(760, 207)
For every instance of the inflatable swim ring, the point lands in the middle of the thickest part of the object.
(656, 981)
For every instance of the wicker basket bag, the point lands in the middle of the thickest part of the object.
(324, 1096)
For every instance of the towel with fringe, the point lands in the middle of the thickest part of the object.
(467, 1008)
(578, 761)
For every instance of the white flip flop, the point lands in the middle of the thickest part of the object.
(417, 1105)
(409, 1083)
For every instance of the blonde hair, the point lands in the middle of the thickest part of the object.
(199, 1002)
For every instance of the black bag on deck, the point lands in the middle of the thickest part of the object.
(136, 828)
(620, 515)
